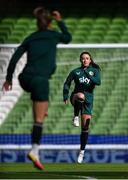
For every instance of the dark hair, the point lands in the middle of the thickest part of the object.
(43, 16)
(92, 62)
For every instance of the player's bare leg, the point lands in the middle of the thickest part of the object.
(39, 113)
(78, 98)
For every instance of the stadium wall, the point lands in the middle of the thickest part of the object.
(100, 149)
(67, 156)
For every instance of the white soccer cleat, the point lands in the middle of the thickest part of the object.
(80, 157)
(76, 121)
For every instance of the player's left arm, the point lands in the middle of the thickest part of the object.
(95, 76)
(65, 36)
(14, 59)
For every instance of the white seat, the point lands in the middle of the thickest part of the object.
(8, 99)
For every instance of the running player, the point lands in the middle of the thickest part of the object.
(85, 77)
(41, 64)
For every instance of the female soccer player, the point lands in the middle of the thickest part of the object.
(85, 77)
(41, 64)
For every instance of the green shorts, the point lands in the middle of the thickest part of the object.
(86, 106)
(37, 86)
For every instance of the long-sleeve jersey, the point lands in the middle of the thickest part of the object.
(41, 52)
(85, 80)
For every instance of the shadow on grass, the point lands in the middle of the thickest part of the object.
(63, 175)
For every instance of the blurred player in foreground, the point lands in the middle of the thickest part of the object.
(85, 77)
(41, 64)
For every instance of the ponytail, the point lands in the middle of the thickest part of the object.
(43, 17)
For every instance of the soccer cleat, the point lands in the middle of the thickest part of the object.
(80, 157)
(35, 160)
(76, 121)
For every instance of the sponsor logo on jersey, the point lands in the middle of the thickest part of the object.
(84, 80)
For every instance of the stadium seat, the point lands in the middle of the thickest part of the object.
(94, 39)
(119, 128)
(100, 27)
(110, 39)
(71, 21)
(119, 20)
(14, 39)
(9, 21)
(114, 32)
(87, 21)
(81, 32)
(101, 129)
(103, 20)
(124, 39)
(79, 39)
(24, 21)
(97, 32)
(118, 27)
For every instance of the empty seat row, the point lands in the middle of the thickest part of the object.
(97, 30)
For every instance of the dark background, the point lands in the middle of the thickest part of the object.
(67, 7)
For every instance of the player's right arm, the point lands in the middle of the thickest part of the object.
(15, 58)
(67, 85)
(7, 85)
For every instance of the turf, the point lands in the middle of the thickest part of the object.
(64, 171)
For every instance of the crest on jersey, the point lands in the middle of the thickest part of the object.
(91, 73)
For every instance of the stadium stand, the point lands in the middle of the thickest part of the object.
(96, 30)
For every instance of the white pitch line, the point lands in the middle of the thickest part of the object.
(60, 175)
(73, 176)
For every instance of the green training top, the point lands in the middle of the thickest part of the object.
(41, 52)
(85, 80)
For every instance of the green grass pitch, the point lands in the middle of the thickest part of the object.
(64, 171)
